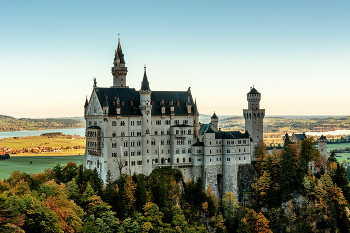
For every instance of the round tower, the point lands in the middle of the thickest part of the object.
(322, 147)
(214, 122)
(119, 70)
(254, 116)
(146, 110)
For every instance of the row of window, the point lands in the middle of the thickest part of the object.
(93, 144)
(183, 150)
(122, 123)
(92, 134)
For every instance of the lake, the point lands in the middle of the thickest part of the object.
(335, 132)
(72, 131)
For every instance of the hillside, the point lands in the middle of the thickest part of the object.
(8, 123)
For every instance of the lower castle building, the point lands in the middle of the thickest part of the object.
(135, 131)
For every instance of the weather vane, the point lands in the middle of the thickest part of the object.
(95, 82)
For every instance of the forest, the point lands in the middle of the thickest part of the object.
(295, 191)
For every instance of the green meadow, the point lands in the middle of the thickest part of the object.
(39, 163)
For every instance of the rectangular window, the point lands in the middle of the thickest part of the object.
(138, 122)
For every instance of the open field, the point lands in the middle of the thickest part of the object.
(331, 147)
(344, 156)
(36, 141)
(39, 163)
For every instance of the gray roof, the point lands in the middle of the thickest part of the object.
(105, 103)
(231, 135)
(206, 128)
(300, 136)
(158, 98)
(253, 91)
(214, 116)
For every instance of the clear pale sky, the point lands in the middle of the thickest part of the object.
(296, 53)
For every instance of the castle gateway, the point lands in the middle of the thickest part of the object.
(135, 131)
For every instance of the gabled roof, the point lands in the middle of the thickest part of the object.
(145, 83)
(230, 135)
(253, 91)
(159, 99)
(299, 136)
(206, 128)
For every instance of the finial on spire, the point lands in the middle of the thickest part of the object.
(95, 82)
(144, 67)
(118, 38)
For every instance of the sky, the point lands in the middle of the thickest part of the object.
(295, 53)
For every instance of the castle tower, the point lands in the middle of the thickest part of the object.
(322, 148)
(119, 70)
(214, 122)
(210, 169)
(254, 116)
(146, 107)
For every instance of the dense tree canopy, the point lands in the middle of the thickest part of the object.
(293, 193)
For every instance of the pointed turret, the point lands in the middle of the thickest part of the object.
(145, 83)
(86, 106)
(86, 102)
(119, 52)
(195, 110)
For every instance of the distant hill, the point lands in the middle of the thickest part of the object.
(9, 123)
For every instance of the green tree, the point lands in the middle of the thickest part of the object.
(230, 205)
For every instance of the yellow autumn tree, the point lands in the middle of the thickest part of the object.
(262, 224)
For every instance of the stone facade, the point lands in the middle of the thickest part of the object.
(135, 131)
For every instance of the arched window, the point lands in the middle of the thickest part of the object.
(177, 151)
(183, 150)
(125, 153)
(189, 150)
(189, 132)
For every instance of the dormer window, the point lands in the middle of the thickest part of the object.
(152, 103)
(177, 103)
(113, 103)
(160, 103)
(122, 103)
(131, 103)
(115, 97)
(169, 103)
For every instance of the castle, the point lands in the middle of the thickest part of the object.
(135, 131)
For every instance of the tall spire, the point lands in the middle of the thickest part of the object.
(145, 83)
(119, 52)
